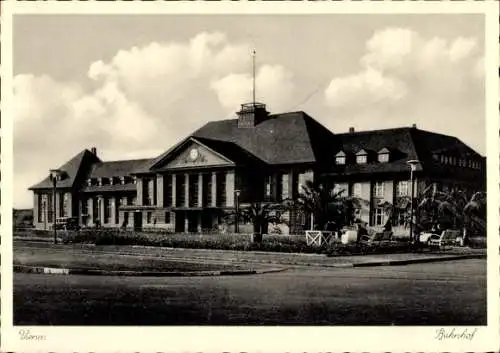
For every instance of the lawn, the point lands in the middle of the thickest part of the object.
(68, 258)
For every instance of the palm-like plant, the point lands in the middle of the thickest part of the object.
(475, 213)
(440, 209)
(324, 206)
(260, 214)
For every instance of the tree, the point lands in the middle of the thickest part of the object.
(475, 214)
(325, 205)
(260, 214)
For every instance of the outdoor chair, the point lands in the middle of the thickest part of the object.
(377, 237)
(447, 237)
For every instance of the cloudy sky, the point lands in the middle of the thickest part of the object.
(135, 85)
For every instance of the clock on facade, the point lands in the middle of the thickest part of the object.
(193, 154)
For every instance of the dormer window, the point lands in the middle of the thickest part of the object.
(362, 157)
(340, 158)
(383, 155)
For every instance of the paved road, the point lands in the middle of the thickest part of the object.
(448, 293)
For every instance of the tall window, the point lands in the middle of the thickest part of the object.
(118, 203)
(40, 216)
(267, 187)
(379, 189)
(193, 190)
(221, 189)
(167, 190)
(61, 204)
(285, 192)
(378, 216)
(402, 188)
(180, 193)
(50, 208)
(66, 205)
(95, 209)
(207, 189)
(356, 189)
(107, 209)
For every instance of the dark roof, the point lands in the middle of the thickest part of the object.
(72, 171)
(280, 139)
(110, 188)
(116, 168)
(231, 151)
(404, 144)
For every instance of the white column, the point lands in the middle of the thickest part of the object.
(230, 188)
(113, 200)
(159, 190)
(140, 196)
(174, 190)
(186, 190)
(214, 189)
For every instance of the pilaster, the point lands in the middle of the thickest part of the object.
(214, 189)
(159, 190)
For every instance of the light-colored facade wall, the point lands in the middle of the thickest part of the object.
(230, 178)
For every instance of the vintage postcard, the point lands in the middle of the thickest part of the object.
(289, 177)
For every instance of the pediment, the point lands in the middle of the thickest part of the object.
(193, 154)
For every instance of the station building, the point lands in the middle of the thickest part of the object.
(256, 157)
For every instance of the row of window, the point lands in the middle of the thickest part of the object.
(112, 181)
(458, 162)
(362, 157)
(379, 188)
(46, 208)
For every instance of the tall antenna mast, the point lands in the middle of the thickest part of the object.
(253, 77)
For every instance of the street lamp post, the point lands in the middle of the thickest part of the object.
(237, 209)
(55, 175)
(413, 167)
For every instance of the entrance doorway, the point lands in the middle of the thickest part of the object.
(192, 222)
(137, 221)
(179, 221)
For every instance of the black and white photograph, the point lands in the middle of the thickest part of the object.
(259, 171)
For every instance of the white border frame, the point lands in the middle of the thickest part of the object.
(232, 339)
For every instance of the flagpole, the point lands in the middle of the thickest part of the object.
(253, 77)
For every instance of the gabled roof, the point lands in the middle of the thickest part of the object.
(117, 168)
(72, 171)
(280, 139)
(384, 150)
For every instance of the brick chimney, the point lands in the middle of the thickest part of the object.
(414, 126)
(351, 130)
(94, 151)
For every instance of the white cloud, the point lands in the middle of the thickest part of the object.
(404, 77)
(274, 86)
(144, 100)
